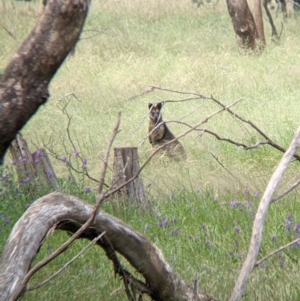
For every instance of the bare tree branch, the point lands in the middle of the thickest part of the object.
(66, 264)
(276, 251)
(89, 221)
(256, 237)
(286, 192)
(70, 213)
(111, 192)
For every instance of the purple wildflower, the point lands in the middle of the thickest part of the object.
(87, 190)
(235, 223)
(24, 159)
(289, 216)
(26, 180)
(27, 205)
(237, 230)
(64, 159)
(147, 226)
(230, 254)
(84, 161)
(208, 243)
(247, 191)
(164, 223)
(7, 222)
(288, 225)
(75, 153)
(233, 203)
(149, 184)
(281, 261)
(297, 227)
(274, 238)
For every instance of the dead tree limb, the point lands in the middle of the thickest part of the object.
(19, 290)
(24, 85)
(276, 251)
(258, 224)
(69, 213)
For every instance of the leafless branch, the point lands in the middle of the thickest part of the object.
(9, 32)
(78, 155)
(276, 251)
(222, 165)
(76, 235)
(111, 192)
(256, 237)
(66, 264)
(286, 192)
(106, 157)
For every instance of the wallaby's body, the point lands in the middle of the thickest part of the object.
(159, 134)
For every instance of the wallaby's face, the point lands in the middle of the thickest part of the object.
(155, 113)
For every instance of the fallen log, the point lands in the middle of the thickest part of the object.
(64, 212)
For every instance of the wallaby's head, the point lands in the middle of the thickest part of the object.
(155, 113)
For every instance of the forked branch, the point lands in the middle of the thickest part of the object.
(258, 224)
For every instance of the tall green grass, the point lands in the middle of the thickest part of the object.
(125, 47)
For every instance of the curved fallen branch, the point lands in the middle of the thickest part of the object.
(64, 212)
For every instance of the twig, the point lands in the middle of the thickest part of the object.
(77, 234)
(66, 265)
(69, 118)
(108, 194)
(7, 31)
(286, 192)
(106, 156)
(276, 251)
(256, 237)
(222, 165)
(234, 142)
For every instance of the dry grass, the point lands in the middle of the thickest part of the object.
(174, 45)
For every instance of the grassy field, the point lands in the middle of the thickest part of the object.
(127, 46)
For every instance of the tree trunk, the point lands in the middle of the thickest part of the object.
(257, 13)
(69, 213)
(126, 165)
(24, 84)
(273, 27)
(243, 23)
(32, 166)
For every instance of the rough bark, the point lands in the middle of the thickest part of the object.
(257, 14)
(31, 166)
(126, 165)
(24, 84)
(243, 23)
(68, 213)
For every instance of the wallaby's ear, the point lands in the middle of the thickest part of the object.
(150, 105)
(159, 105)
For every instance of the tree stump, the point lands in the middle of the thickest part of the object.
(126, 165)
(31, 166)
